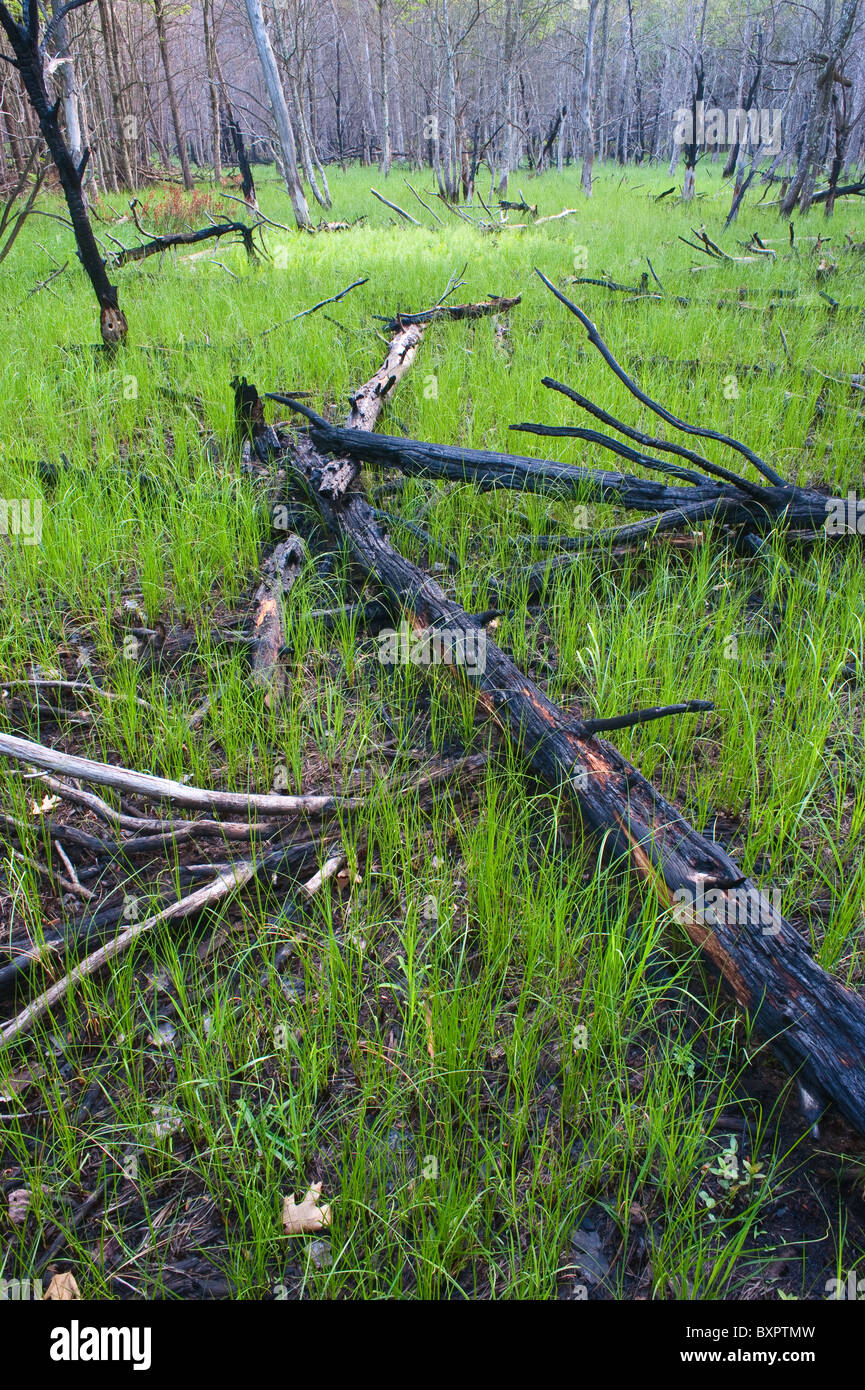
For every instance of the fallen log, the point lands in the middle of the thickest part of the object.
(279, 572)
(814, 1024)
(164, 243)
(366, 404)
(740, 502)
(648, 441)
(494, 303)
(844, 191)
(487, 469)
(368, 400)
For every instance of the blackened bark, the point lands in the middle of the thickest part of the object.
(246, 179)
(815, 1025)
(692, 147)
(25, 46)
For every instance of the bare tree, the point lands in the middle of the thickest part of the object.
(29, 58)
(833, 40)
(587, 97)
(209, 24)
(179, 137)
(279, 108)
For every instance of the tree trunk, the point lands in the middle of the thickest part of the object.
(693, 145)
(733, 153)
(13, 122)
(801, 189)
(587, 101)
(386, 156)
(180, 138)
(213, 89)
(67, 83)
(25, 46)
(280, 112)
(304, 140)
(124, 123)
(638, 87)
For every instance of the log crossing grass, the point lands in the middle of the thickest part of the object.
(483, 1041)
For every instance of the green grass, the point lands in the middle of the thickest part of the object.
(570, 1077)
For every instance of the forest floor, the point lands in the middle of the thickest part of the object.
(507, 1067)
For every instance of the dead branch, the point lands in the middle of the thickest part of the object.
(164, 243)
(394, 208)
(223, 885)
(493, 304)
(162, 788)
(814, 1023)
(597, 341)
(279, 572)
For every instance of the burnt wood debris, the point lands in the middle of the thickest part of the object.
(815, 1025)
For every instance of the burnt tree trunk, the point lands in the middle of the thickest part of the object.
(278, 574)
(814, 1024)
(692, 147)
(28, 57)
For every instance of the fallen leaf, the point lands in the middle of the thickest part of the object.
(63, 1287)
(19, 1205)
(308, 1215)
(47, 804)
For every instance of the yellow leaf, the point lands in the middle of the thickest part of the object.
(309, 1215)
(63, 1287)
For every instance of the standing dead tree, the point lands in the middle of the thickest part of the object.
(844, 123)
(546, 153)
(279, 108)
(247, 182)
(29, 58)
(179, 137)
(692, 146)
(20, 214)
(833, 43)
(587, 101)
